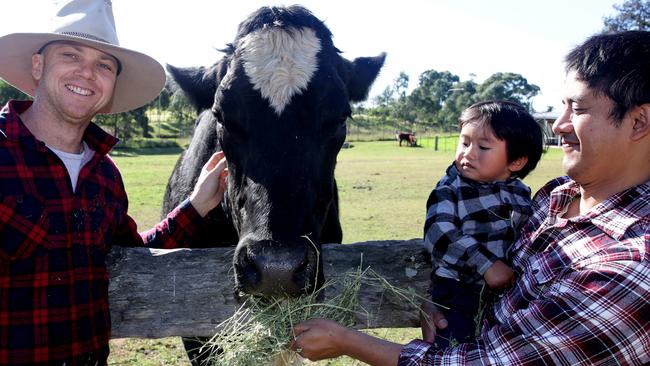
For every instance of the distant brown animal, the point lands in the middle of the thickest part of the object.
(408, 137)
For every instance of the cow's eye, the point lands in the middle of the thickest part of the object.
(218, 115)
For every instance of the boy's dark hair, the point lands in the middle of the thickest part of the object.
(617, 65)
(512, 123)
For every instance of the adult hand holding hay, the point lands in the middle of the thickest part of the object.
(318, 339)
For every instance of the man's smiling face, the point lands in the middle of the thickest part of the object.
(75, 82)
(592, 144)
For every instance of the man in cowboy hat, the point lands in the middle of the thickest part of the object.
(62, 199)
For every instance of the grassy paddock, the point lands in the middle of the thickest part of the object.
(383, 190)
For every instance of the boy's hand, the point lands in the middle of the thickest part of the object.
(499, 275)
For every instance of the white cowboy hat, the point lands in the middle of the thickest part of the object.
(91, 23)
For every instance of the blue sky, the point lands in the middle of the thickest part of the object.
(470, 38)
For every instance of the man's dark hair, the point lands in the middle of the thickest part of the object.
(616, 65)
(512, 123)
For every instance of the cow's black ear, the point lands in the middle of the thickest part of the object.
(364, 73)
(198, 83)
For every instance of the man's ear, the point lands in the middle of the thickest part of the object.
(518, 164)
(37, 66)
(640, 122)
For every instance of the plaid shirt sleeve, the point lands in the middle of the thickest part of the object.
(175, 231)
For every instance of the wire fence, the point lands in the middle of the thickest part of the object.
(423, 135)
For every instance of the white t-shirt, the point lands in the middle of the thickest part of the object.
(74, 162)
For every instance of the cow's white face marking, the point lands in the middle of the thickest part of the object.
(280, 62)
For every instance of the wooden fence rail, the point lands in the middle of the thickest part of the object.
(159, 293)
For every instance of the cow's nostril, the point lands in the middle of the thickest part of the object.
(302, 274)
(249, 273)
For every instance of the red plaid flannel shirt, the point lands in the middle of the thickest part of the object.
(53, 243)
(583, 291)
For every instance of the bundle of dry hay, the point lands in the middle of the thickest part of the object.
(261, 329)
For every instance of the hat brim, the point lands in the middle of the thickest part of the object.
(140, 81)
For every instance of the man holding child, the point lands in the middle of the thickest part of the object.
(582, 262)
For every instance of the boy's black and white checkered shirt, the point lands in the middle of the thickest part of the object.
(469, 225)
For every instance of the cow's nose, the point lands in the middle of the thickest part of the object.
(273, 268)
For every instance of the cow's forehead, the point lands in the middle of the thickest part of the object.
(280, 62)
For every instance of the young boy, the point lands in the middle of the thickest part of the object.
(476, 210)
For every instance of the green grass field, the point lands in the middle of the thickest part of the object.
(383, 190)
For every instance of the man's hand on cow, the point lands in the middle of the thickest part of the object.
(431, 319)
(211, 185)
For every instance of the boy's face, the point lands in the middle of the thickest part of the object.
(480, 156)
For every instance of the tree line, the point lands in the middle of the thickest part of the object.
(440, 96)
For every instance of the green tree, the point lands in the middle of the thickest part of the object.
(461, 96)
(430, 94)
(127, 124)
(632, 15)
(9, 92)
(140, 117)
(402, 108)
(401, 84)
(509, 86)
(182, 113)
(385, 98)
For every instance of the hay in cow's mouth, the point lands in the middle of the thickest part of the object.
(259, 332)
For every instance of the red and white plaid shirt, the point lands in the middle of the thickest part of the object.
(53, 243)
(582, 296)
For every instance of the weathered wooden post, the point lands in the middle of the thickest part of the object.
(187, 292)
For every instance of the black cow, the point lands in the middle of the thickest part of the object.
(277, 105)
